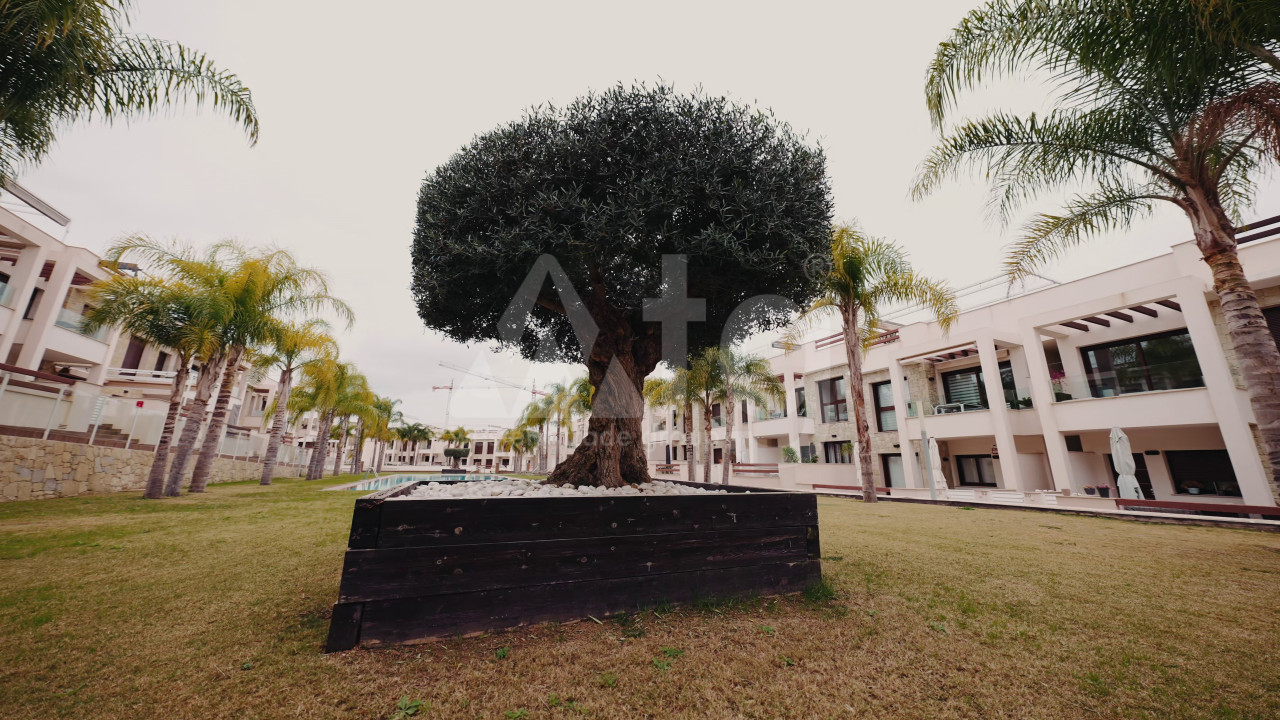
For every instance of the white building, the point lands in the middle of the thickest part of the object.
(1022, 393)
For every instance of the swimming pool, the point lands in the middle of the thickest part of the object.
(390, 481)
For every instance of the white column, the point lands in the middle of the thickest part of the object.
(1230, 404)
(23, 280)
(1042, 400)
(55, 294)
(912, 474)
(1009, 470)
(98, 373)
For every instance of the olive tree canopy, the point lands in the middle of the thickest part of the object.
(593, 196)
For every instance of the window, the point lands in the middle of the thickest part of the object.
(1155, 362)
(744, 411)
(831, 393)
(716, 419)
(967, 389)
(838, 451)
(976, 470)
(489, 450)
(133, 354)
(891, 464)
(801, 410)
(806, 453)
(1074, 443)
(1202, 472)
(161, 360)
(886, 415)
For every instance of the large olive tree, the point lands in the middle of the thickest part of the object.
(587, 210)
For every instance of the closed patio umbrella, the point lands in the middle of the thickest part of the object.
(935, 461)
(1122, 457)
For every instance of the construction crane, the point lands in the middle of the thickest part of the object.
(450, 387)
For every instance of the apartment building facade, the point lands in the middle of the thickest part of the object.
(1021, 394)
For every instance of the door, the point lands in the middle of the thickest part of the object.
(1140, 473)
(133, 354)
(976, 470)
(892, 466)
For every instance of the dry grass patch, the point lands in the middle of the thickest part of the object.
(216, 606)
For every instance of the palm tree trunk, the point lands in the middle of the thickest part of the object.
(277, 425)
(381, 449)
(729, 446)
(688, 439)
(706, 445)
(357, 455)
(559, 427)
(1254, 346)
(155, 478)
(342, 446)
(853, 354)
(195, 420)
(542, 453)
(213, 436)
(320, 447)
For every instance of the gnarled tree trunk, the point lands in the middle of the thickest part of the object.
(155, 478)
(195, 420)
(853, 354)
(218, 423)
(277, 426)
(342, 446)
(1254, 346)
(612, 452)
(706, 444)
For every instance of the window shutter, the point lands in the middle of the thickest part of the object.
(964, 387)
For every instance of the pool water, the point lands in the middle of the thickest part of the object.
(390, 481)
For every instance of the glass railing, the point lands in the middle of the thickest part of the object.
(717, 421)
(1012, 400)
(6, 292)
(762, 414)
(74, 321)
(1128, 381)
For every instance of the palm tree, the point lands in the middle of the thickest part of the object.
(415, 433)
(160, 313)
(705, 390)
(518, 440)
(866, 275)
(256, 291)
(748, 378)
(536, 415)
(334, 390)
(1152, 109)
(679, 392)
(385, 418)
(294, 347)
(66, 61)
(456, 437)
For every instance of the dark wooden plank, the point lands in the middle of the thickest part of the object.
(1120, 316)
(1144, 310)
(387, 573)
(344, 627)
(365, 519)
(1075, 326)
(418, 619)
(408, 523)
(1097, 321)
(1172, 305)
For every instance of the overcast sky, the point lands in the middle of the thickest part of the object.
(359, 102)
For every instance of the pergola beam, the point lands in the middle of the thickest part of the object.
(1120, 316)
(1075, 326)
(1144, 310)
(1169, 304)
(1097, 321)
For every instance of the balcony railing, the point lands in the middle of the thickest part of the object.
(155, 376)
(74, 321)
(717, 421)
(6, 292)
(762, 414)
(1128, 381)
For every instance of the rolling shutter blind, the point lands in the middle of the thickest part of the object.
(964, 387)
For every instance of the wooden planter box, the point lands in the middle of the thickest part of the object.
(422, 569)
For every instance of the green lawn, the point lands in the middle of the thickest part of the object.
(216, 607)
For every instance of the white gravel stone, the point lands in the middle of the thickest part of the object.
(517, 487)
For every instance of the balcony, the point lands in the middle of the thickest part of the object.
(1181, 375)
(74, 321)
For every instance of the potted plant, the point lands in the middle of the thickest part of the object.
(1104, 491)
(1057, 377)
(1090, 490)
(1193, 487)
(789, 454)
